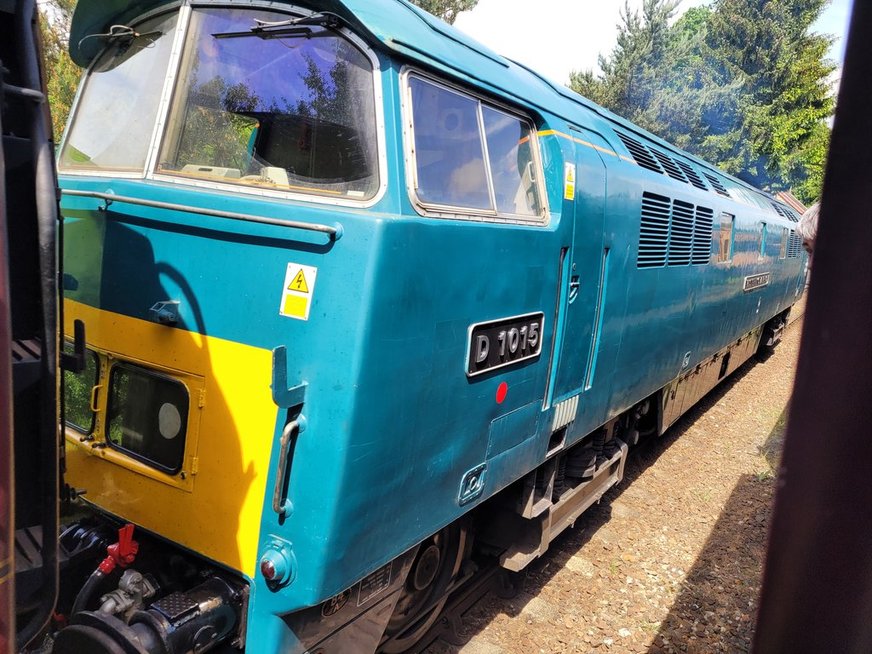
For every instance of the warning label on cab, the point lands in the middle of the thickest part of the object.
(298, 290)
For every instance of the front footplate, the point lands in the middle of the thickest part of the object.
(564, 511)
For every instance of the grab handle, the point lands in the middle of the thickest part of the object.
(93, 401)
(280, 503)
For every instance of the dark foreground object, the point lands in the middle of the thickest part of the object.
(817, 593)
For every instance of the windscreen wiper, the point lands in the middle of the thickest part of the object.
(292, 27)
(118, 33)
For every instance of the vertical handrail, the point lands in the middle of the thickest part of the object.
(280, 503)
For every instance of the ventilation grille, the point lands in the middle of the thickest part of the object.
(653, 231)
(794, 244)
(673, 232)
(660, 162)
(779, 210)
(681, 233)
(640, 153)
(669, 166)
(694, 179)
(702, 236)
(716, 184)
(792, 216)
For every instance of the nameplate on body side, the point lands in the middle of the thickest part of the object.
(504, 342)
(753, 282)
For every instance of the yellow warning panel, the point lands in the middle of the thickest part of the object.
(569, 181)
(298, 291)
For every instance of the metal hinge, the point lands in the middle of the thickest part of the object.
(195, 465)
(201, 402)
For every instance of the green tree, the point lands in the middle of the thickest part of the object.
(629, 80)
(62, 75)
(742, 84)
(785, 95)
(447, 10)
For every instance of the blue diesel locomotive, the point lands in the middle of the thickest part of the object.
(363, 300)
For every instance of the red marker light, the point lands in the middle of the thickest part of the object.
(268, 569)
(502, 391)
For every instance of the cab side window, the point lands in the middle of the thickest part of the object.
(724, 244)
(448, 148)
(471, 158)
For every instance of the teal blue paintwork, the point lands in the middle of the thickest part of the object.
(394, 424)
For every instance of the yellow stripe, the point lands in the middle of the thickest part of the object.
(553, 132)
(216, 510)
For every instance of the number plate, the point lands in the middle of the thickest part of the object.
(503, 342)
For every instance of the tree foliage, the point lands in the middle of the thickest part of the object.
(742, 84)
(61, 74)
(447, 10)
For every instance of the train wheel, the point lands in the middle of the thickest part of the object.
(424, 593)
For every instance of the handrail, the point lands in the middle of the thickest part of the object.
(280, 503)
(333, 231)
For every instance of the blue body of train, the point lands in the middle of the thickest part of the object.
(361, 295)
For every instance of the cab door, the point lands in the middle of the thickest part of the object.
(583, 268)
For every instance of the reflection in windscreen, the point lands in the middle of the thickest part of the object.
(275, 110)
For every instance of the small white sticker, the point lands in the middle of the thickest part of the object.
(298, 291)
(569, 181)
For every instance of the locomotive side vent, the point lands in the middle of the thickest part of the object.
(681, 233)
(717, 185)
(702, 236)
(794, 243)
(640, 153)
(669, 166)
(778, 210)
(653, 231)
(694, 179)
(674, 233)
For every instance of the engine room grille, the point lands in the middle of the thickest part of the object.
(717, 185)
(702, 236)
(794, 243)
(695, 179)
(681, 233)
(640, 153)
(669, 166)
(779, 210)
(653, 231)
(673, 232)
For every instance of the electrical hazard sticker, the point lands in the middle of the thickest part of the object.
(569, 181)
(298, 291)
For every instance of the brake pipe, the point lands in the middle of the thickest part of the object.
(120, 554)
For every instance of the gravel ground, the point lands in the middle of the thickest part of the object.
(671, 559)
